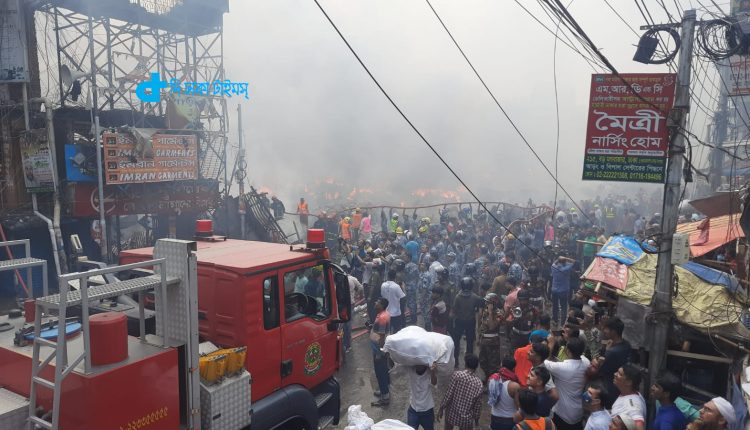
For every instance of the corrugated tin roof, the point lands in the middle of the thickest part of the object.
(721, 230)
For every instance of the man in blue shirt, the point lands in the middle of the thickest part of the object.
(665, 390)
(412, 247)
(560, 288)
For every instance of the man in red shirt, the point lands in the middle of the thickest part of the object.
(528, 356)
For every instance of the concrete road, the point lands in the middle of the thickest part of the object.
(358, 383)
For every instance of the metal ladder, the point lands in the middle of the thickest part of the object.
(83, 296)
(26, 262)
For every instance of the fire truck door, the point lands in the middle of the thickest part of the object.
(265, 371)
(309, 338)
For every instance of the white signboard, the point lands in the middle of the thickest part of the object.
(739, 81)
(14, 65)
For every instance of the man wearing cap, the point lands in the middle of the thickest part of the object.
(393, 223)
(718, 414)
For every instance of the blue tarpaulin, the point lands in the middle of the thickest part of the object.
(624, 249)
(712, 276)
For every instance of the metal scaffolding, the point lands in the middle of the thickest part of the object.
(126, 53)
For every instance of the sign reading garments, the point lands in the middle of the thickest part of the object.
(141, 156)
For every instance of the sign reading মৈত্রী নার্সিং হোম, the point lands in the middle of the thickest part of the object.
(627, 139)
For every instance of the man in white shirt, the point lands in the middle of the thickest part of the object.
(570, 379)
(596, 401)
(393, 292)
(631, 402)
(421, 410)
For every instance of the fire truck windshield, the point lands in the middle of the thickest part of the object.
(306, 294)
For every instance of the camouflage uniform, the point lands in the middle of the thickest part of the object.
(411, 279)
(425, 293)
(454, 273)
(449, 294)
(489, 343)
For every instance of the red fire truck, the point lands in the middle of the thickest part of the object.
(283, 303)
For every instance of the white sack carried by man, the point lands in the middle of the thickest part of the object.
(413, 346)
(391, 424)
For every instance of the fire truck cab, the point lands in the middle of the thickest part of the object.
(285, 304)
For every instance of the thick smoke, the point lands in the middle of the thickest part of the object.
(317, 124)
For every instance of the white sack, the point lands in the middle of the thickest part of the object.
(413, 346)
(358, 419)
(390, 424)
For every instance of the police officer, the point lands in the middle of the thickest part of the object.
(449, 290)
(464, 311)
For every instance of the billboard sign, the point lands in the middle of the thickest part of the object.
(159, 158)
(627, 139)
(37, 161)
(82, 199)
(14, 66)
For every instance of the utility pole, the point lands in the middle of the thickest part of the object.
(661, 303)
(720, 131)
(241, 164)
(97, 137)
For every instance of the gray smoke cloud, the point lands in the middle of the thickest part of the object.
(315, 115)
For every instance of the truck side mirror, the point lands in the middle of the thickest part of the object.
(343, 297)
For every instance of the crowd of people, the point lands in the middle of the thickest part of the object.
(534, 343)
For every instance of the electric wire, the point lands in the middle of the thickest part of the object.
(507, 116)
(557, 117)
(622, 19)
(650, 21)
(416, 130)
(591, 61)
(556, 19)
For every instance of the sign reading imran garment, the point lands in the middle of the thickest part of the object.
(627, 139)
(163, 157)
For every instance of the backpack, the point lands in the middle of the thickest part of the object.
(548, 425)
